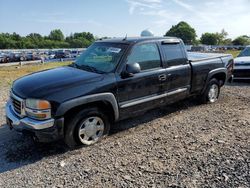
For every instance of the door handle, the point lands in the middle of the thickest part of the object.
(162, 77)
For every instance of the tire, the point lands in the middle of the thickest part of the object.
(212, 92)
(86, 128)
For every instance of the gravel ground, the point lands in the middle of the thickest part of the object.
(183, 145)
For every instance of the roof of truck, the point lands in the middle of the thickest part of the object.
(129, 40)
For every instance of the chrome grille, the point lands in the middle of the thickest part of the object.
(17, 104)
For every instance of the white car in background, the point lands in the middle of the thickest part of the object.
(242, 65)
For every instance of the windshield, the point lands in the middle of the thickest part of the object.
(101, 57)
(245, 52)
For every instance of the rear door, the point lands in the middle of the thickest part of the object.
(178, 70)
(139, 93)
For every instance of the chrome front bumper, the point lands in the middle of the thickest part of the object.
(25, 123)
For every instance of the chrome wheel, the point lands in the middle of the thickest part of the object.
(213, 93)
(91, 130)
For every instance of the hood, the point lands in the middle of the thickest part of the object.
(41, 84)
(242, 60)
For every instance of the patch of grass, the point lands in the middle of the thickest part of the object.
(235, 53)
(9, 74)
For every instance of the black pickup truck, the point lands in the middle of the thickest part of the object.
(114, 79)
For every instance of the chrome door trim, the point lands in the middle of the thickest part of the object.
(150, 98)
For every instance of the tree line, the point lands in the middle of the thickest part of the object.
(55, 39)
(188, 34)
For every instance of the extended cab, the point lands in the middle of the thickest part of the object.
(112, 80)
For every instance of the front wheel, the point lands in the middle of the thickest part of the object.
(212, 92)
(87, 127)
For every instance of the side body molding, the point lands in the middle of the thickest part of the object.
(107, 97)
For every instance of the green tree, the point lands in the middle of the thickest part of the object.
(35, 36)
(241, 40)
(209, 38)
(56, 35)
(184, 31)
(9, 41)
(34, 40)
(3, 42)
(221, 37)
(227, 41)
(87, 35)
(80, 40)
(54, 40)
(15, 37)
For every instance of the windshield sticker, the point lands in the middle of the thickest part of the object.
(114, 50)
(97, 59)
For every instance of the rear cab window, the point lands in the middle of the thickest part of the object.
(174, 54)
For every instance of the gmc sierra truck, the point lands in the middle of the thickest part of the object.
(112, 80)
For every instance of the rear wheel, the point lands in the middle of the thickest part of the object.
(86, 128)
(212, 92)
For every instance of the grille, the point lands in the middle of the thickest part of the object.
(17, 104)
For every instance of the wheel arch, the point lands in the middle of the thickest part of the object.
(220, 74)
(105, 101)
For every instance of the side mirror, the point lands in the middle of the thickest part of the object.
(133, 68)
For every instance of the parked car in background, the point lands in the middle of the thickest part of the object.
(242, 65)
(11, 57)
(29, 56)
(20, 56)
(62, 54)
(74, 53)
(15, 57)
(3, 58)
(51, 55)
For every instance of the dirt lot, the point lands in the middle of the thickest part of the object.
(183, 145)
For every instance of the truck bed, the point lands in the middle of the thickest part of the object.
(198, 56)
(203, 63)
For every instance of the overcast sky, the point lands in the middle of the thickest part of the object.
(120, 17)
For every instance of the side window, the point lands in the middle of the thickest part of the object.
(174, 54)
(146, 55)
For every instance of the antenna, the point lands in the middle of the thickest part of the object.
(125, 37)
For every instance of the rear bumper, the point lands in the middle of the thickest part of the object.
(44, 131)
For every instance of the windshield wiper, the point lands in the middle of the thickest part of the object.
(92, 69)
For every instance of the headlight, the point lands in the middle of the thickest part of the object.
(38, 109)
(37, 104)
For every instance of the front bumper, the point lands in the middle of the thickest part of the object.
(44, 131)
(241, 72)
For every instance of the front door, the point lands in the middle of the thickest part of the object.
(139, 92)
